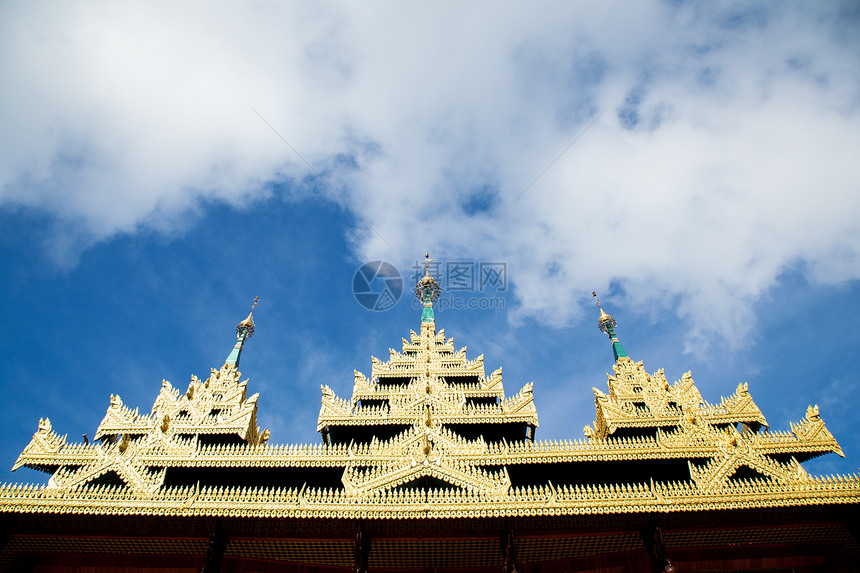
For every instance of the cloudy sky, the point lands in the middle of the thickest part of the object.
(694, 162)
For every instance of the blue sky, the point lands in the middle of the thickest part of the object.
(161, 165)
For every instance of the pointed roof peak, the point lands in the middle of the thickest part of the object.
(248, 323)
(427, 290)
(606, 323)
(427, 260)
(244, 331)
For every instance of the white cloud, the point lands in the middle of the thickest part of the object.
(723, 155)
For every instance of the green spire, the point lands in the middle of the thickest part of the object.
(427, 290)
(244, 331)
(427, 314)
(607, 325)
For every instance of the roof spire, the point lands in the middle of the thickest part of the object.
(427, 290)
(607, 325)
(244, 331)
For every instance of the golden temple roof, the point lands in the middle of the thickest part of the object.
(429, 435)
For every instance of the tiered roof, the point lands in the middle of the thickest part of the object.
(427, 381)
(429, 435)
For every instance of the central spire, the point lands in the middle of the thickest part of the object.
(427, 290)
(244, 331)
(607, 325)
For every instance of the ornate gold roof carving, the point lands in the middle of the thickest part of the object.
(433, 371)
(637, 399)
(426, 388)
(217, 406)
(308, 502)
(425, 450)
(133, 443)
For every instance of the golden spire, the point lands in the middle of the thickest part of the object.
(605, 321)
(248, 324)
(244, 331)
(427, 289)
(607, 325)
(427, 260)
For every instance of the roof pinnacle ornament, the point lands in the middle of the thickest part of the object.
(428, 291)
(607, 325)
(244, 331)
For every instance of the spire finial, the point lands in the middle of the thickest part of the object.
(605, 322)
(427, 260)
(607, 325)
(248, 324)
(244, 331)
(427, 290)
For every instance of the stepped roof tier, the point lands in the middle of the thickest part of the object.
(429, 438)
